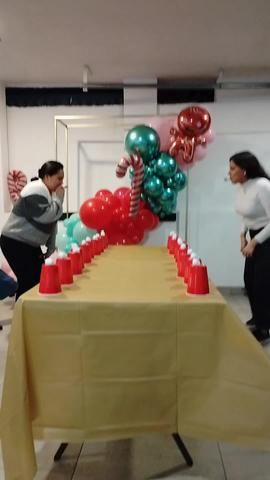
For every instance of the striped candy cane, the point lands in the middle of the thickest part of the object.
(136, 162)
(16, 181)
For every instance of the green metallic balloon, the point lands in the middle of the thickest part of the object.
(148, 171)
(168, 197)
(178, 181)
(153, 204)
(143, 140)
(165, 166)
(153, 187)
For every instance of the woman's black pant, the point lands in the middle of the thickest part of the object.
(25, 261)
(257, 282)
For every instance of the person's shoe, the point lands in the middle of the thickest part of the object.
(251, 324)
(261, 335)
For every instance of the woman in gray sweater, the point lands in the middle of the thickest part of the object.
(32, 224)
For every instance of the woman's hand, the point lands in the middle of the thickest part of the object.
(60, 193)
(249, 248)
(243, 242)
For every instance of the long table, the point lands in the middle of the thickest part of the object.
(125, 352)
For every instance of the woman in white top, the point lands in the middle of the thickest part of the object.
(253, 205)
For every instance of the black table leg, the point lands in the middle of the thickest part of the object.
(183, 449)
(60, 452)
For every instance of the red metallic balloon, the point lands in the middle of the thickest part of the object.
(194, 121)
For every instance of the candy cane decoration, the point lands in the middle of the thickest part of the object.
(16, 180)
(136, 162)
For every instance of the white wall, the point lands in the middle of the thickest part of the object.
(241, 121)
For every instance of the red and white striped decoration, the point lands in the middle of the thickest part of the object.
(16, 180)
(136, 162)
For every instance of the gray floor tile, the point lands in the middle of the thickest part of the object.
(245, 464)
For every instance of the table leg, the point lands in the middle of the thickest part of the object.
(183, 449)
(60, 452)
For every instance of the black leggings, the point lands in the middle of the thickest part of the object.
(257, 282)
(25, 261)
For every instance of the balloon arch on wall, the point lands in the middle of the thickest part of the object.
(159, 153)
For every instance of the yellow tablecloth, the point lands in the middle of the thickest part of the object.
(125, 352)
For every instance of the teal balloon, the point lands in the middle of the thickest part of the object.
(71, 222)
(148, 171)
(165, 166)
(153, 186)
(168, 197)
(154, 205)
(66, 222)
(68, 246)
(178, 181)
(80, 232)
(61, 241)
(143, 140)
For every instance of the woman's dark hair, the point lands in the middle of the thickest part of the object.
(50, 168)
(248, 162)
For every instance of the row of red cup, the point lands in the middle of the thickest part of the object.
(62, 272)
(189, 267)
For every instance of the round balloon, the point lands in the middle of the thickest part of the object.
(146, 219)
(178, 181)
(95, 213)
(109, 198)
(154, 205)
(80, 232)
(153, 186)
(61, 241)
(194, 121)
(168, 197)
(143, 140)
(71, 222)
(165, 165)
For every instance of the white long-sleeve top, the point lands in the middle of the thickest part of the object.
(253, 205)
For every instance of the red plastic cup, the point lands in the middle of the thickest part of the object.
(187, 269)
(198, 280)
(65, 270)
(76, 262)
(86, 253)
(49, 280)
(181, 261)
(169, 241)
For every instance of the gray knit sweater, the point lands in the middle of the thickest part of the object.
(33, 219)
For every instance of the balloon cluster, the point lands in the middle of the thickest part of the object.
(110, 212)
(162, 178)
(185, 136)
(74, 232)
(154, 166)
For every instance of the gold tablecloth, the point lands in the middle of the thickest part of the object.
(125, 351)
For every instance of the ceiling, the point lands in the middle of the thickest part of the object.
(48, 42)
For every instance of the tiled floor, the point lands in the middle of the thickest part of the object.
(147, 458)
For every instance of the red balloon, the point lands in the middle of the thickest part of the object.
(118, 220)
(118, 238)
(121, 192)
(136, 237)
(156, 222)
(95, 213)
(109, 198)
(146, 219)
(134, 230)
(103, 193)
(194, 121)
